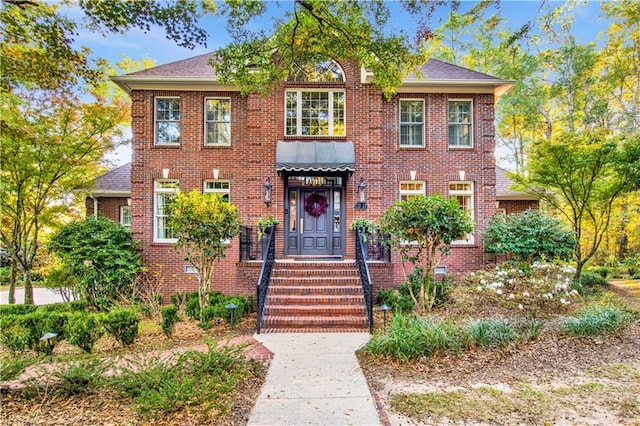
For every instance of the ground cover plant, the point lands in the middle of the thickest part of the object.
(177, 380)
(516, 344)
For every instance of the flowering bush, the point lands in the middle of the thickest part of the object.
(543, 289)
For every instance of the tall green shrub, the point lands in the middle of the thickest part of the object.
(83, 330)
(122, 324)
(169, 319)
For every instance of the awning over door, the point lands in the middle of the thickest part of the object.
(315, 156)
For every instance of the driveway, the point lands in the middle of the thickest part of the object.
(41, 296)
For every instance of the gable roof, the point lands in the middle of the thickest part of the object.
(114, 183)
(503, 188)
(196, 73)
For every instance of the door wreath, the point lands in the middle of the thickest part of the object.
(315, 204)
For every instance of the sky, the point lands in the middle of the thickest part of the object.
(137, 44)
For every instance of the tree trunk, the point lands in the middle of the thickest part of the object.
(28, 288)
(13, 270)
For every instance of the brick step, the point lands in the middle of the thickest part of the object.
(293, 299)
(315, 265)
(316, 329)
(314, 281)
(313, 272)
(311, 310)
(314, 290)
(283, 321)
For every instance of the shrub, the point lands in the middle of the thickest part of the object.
(588, 282)
(596, 319)
(603, 271)
(414, 337)
(83, 330)
(192, 308)
(12, 366)
(122, 324)
(74, 306)
(489, 333)
(169, 319)
(79, 376)
(16, 309)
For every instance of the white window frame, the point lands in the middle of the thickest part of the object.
(222, 191)
(331, 92)
(156, 121)
(470, 239)
(156, 216)
(456, 123)
(406, 193)
(124, 222)
(206, 122)
(412, 124)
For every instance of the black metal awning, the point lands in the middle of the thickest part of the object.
(315, 156)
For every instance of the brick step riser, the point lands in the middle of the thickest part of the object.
(315, 300)
(314, 282)
(304, 272)
(315, 291)
(297, 322)
(280, 310)
(314, 265)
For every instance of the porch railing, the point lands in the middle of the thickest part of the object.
(249, 244)
(265, 274)
(365, 278)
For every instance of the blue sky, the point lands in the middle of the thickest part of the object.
(137, 44)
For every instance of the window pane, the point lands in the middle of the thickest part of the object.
(168, 109)
(168, 132)
(411, 123)
(460, 123)
(338, 114)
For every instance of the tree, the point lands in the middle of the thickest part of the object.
(422, 229)
(582, 175)
(529, 236)
(102, 256)
(202, 223)
(50, 148)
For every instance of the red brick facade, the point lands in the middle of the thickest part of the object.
(258, 123)
(109, 207)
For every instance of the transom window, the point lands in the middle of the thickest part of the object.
(411, 122)
(164, 191)
(167, 121)
(222, 187)
(217, 121)
(460, 124)
(411, 188)
(463, 192)
(327, 71)
(315, 113)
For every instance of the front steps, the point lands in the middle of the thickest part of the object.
(313, 297)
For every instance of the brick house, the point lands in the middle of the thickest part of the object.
(325, 138)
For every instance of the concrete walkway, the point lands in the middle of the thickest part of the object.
(314, 379)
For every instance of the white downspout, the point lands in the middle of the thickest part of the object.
(95, 206)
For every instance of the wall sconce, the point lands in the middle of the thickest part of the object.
(165, 173)
(362, 196)
(461, 174)
(413, 174)
(216, 173)
(267, 191)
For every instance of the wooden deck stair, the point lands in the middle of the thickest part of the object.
(315, 296)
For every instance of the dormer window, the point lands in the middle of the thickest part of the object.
(320, 72)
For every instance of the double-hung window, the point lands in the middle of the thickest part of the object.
(315, 113)
(460, 123)
(218, 186)
(463, 192)
(217, 121)
(167, 117)
(125, 216)
(411, 188)
(411, 123)
(164, 191)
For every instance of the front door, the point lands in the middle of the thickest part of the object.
(315, 224)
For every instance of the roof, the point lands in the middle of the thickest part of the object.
(114, 183)
(196, 73)
(315, 156)
(503, 188)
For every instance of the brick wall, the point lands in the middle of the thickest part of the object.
(258, 123)
(518, 206)
(107, 206)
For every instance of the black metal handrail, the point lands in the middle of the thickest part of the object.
(365, 278)
(265, 274)
(249, 244)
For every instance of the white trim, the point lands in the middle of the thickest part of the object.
(205, 121)
(411, 192)
(330, 91)
(471, 123)
(400, 123)
(122, 209)
(155, 119)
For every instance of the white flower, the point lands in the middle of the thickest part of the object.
(526, 294)
(520, 306)
(498, 291)
(483, 281)
(479, 288)
(512, 296)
